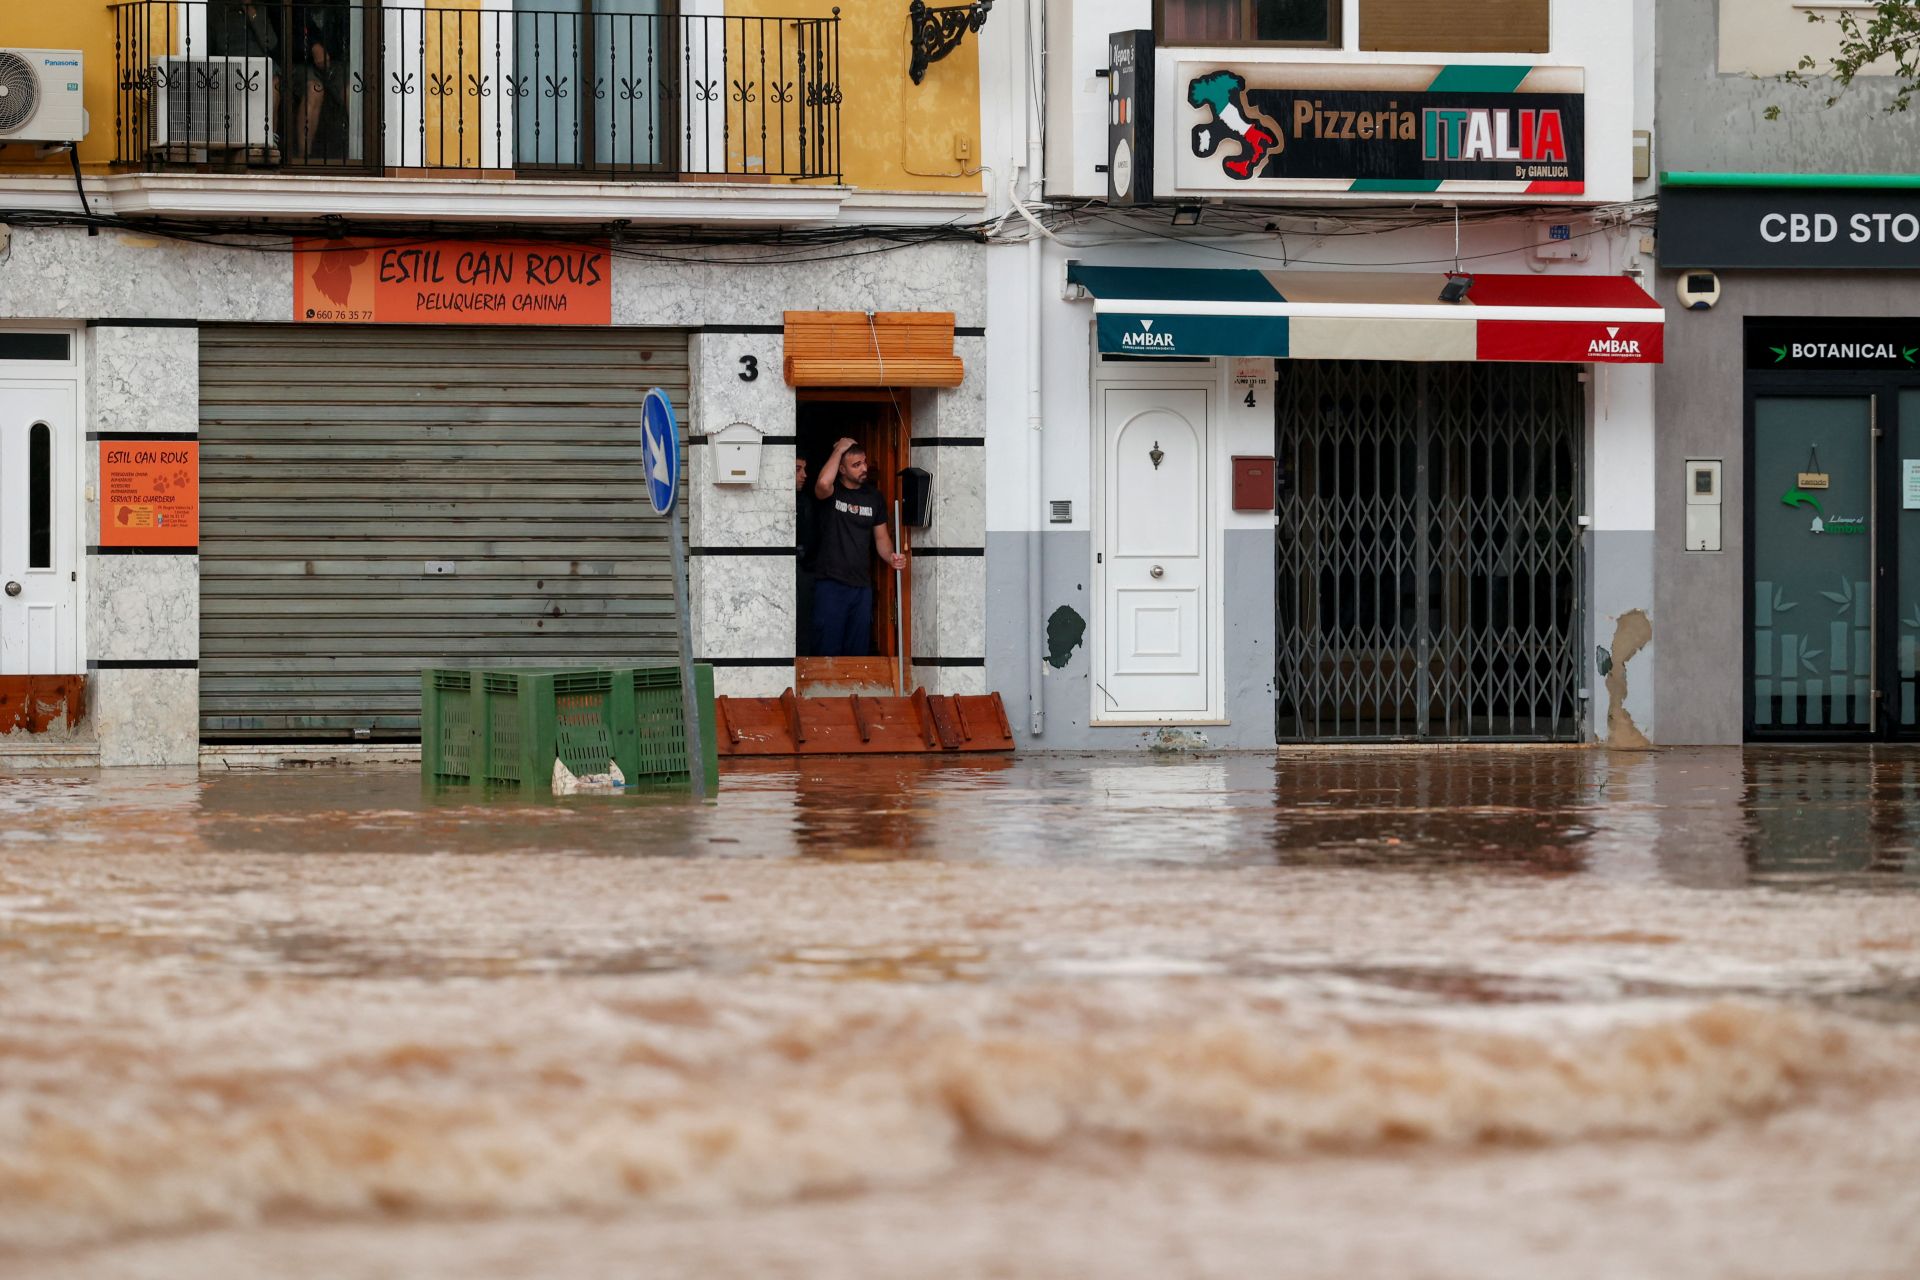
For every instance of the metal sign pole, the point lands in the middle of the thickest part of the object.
(899, 613)
(689, 693)
(660, 455)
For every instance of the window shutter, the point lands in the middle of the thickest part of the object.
(886, 349)
(1454, 26)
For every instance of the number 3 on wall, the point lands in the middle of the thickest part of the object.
(749, 368)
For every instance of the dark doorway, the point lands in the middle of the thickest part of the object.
(878, 420)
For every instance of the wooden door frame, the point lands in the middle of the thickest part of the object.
(897, 452)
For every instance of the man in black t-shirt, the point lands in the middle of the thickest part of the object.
(850, 525)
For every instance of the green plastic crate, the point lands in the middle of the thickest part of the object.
(446, 727)
(512, 724)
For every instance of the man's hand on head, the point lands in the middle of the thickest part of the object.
(841, 445)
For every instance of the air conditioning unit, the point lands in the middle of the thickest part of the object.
(212, 102)
(40, 96)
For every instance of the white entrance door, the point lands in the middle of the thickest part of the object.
(38, 529)
(1157, 615)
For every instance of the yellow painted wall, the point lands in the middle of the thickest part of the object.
(67, 24)
(455, 34)
(895, 135)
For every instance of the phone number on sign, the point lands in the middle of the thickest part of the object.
(314, 314)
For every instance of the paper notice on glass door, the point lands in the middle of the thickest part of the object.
(1910, 484)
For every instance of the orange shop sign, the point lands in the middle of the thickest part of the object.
(149, 493)
(359, 281)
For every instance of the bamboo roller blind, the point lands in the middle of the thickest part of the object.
(888, 349)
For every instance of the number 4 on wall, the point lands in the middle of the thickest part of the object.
(1250, 402)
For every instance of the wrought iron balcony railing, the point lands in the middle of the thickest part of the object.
(574, 88)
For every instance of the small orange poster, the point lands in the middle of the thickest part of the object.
(149, 493)
(362, 281)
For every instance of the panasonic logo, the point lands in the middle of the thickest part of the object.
(60, 62)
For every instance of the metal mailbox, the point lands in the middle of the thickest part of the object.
(1252, 483)
(736, 454)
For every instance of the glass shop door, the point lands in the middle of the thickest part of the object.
(1814, 604)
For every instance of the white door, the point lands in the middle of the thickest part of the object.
(38, 530)
(1154, 524)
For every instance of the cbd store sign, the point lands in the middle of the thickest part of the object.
(1790, 230)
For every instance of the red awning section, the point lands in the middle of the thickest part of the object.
(1629, 326)
(1349, 315)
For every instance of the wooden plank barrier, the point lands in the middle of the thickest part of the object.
(937, 724)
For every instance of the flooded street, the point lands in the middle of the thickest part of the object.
(1346, 1014)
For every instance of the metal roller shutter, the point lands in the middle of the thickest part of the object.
(376, 501)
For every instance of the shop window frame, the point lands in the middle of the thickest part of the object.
(1248, 22)
(1825, 383)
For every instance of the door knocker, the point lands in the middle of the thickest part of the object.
(1157, 456)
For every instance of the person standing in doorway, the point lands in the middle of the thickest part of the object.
(852, 526)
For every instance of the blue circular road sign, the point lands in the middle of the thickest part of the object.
(660, 449)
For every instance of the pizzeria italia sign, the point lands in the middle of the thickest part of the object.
(1249, 129)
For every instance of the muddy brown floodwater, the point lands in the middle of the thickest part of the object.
(1348, 1014)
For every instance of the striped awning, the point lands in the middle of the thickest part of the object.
(1349, 315)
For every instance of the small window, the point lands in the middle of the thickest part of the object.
(40, 497)
(36, 346)
(1239, 22)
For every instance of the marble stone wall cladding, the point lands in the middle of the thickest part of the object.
(752, 682)
(146, 717)
(965, 681)
(744, 606)
(959, 495)
(960, 592)
(924, 586)
(961, 410)
(53, 273)
(143, 379)
(726, 390)
(745, 286)
(143, 608)
(761, 514)
(60, 272)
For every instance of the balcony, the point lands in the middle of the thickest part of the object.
(600, 90)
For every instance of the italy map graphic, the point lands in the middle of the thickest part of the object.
(1224, 92)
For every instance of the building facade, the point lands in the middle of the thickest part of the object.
(1323, 395)
(321, 357)
(1788, 230)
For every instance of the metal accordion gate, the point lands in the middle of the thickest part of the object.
(1429, 552)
